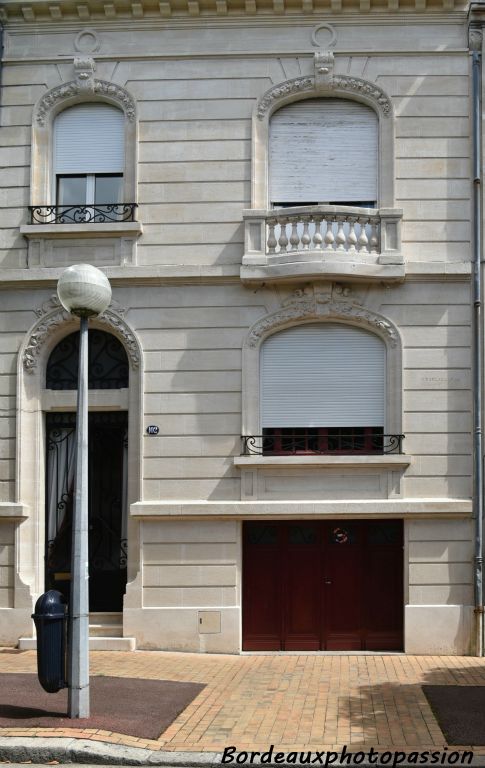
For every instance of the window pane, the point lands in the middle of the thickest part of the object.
(108, 189)
(71, 190)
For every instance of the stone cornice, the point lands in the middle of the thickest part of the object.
(43, 277)
(85, 11)
(375, 508)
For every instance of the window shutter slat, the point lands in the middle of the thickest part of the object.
(89, 138)
(323, 375)
(323, 150)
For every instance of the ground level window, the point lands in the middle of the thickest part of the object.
(308, 440)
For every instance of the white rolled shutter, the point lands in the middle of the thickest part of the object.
(323, 375)
(323, 150)
(89, 138)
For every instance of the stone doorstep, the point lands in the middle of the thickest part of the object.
(105, 634)
(97, 643)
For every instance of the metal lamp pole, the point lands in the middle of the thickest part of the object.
(84, 291)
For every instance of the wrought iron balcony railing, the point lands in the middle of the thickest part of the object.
(109, 213)
(321, 441)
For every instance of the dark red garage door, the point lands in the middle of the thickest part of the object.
(325, 585)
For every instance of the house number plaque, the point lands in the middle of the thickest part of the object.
(152, 429)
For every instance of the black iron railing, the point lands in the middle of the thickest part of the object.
(82, 214)
(317, 441)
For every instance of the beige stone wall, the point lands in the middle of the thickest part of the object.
(439, 610)
(6, 564)
(196, 84)
(195, 129)
(190, 587)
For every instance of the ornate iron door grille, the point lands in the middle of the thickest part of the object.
(108, 364)
(107, 502)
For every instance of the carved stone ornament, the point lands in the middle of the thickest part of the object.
(51, 315)
(475, 39)
(324, 62)
(297, 85)
(358, 86)
(84, 68)
(310, 304)
(73, 88)
(353, 85)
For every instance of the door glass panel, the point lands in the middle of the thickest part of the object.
(107, 450)
(261, 534)
(386, 532)
(108, 363)
(302, 534)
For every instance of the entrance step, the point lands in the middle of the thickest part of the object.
(105, 634)
(95, 643)
(105, 625)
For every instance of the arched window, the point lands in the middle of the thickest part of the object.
(89, 156)
(108, 364)
(323, 390)
(323, 151)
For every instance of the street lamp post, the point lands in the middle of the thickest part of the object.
(84, 291)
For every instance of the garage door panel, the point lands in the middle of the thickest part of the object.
(262, 588)
(343, 608)
(330, 585)
(301, 592)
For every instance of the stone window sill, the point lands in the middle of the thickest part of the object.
(397, 461)
(12, 511)
(54, 231)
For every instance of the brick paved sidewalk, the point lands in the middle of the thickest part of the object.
(296, 702)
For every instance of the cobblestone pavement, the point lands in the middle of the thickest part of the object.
(296, 702)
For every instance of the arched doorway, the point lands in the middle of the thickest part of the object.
(108, 453)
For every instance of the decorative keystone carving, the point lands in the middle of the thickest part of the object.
(51, 315)
(120, 328)
(310, 85)
(84, 68)
(358, 87)
(40, 334)
(324, 62)
(119, 94)
(74, 88)
(297, 85)
(60, 93)
(309, 303)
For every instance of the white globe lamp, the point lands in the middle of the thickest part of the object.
(84, 290)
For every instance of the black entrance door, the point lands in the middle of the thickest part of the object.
(329, 585)
(107, 494)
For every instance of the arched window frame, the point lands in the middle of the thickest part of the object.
(311, 311)
(33, 400)
(56, 100)
(299, 89)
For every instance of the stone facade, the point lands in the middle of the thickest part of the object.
(197, 290)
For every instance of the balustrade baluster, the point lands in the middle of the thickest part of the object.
(306, 238)
(374, 237)
(271, 242)
(317, 235)
(340, 238)
(329, 238)
(352, 237)
(363, 240)
(294, 237)
(283, 239)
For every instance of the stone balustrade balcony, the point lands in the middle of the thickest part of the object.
(313, 241)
